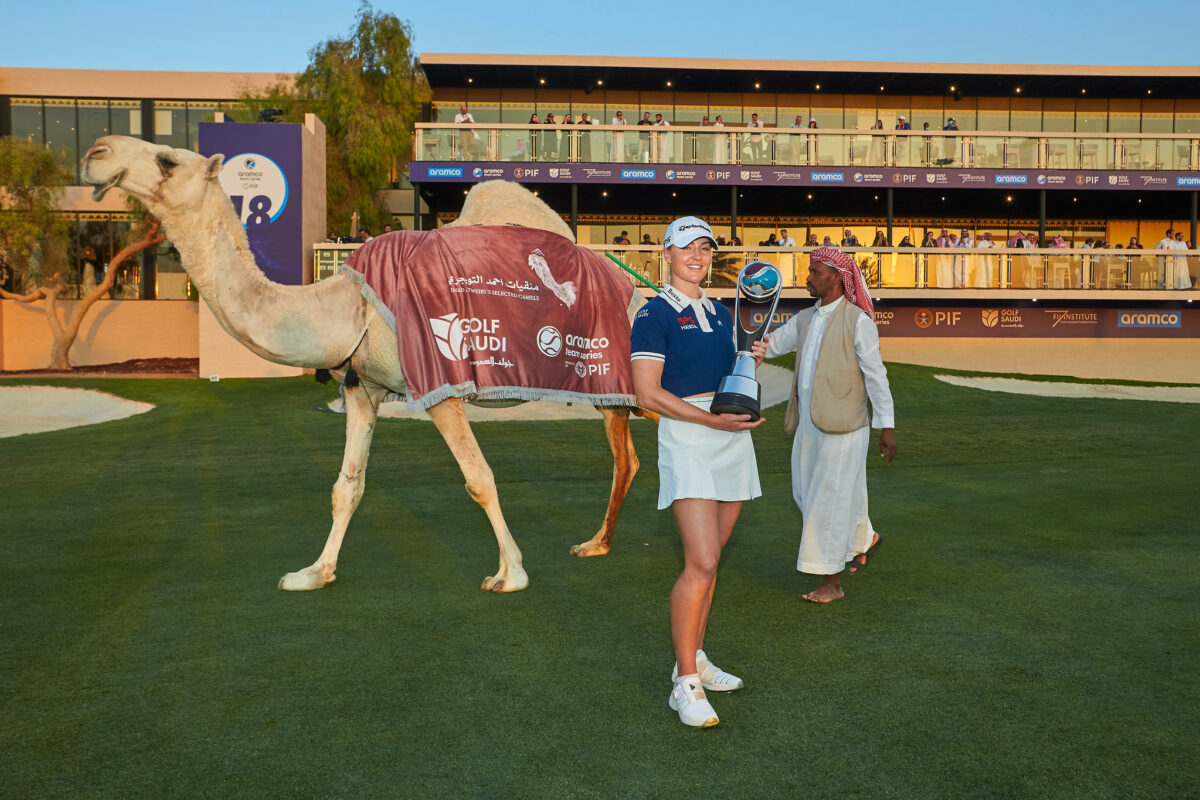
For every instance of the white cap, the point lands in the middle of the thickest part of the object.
(901, 116)
(686, 230)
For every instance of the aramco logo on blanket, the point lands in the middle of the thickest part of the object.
(457, 337)
(549, 341)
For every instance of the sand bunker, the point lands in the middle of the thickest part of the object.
(775, 384)
(1165, 394)
(37, 409)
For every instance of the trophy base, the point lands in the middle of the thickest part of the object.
(737, 403)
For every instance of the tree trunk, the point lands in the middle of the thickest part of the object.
(64, 335)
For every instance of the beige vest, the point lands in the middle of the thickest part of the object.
(839, 392)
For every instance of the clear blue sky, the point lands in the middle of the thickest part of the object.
(271, 36)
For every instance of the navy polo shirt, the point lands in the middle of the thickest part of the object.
(667, 329)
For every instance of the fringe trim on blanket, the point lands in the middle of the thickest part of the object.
(370, 296)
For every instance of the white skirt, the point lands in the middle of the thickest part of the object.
(695, 461)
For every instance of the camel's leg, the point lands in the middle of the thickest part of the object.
(362, 405)
(451, 420)
(625, 466)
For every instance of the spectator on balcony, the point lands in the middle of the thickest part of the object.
(1088, 244)
(664, 141)
(905, 125)
(905, 242)
(550, 140)
(618, 138)
(950, 125)
(1181, 278)
(983, 267)
(1058, 243)
(734, 241)
(812, 122)
(622, 239)
(721, 143)
(756, 139)
(878, 126)
(646, 240)
(827, 242)
(849, 239)
(882, 241)
(785, 240)
(943, 265)
(962, 261)
(644, 138)
(770, 241)
(519, 153)
(365, 236)
(468, 140)
(929, 240)
(585, 139)
(535, 138)
(1134, 244)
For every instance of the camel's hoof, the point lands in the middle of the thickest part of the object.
(591, 548)
(514, 581)
(306, 580)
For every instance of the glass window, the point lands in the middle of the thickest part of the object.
(1091, 116)
(60, 131)
(93, 121)
(827, 111)
(1187, 116)
(926, 109)
(1124, 117)
(858, 112)
(515, 112)
(198, 112)
(444, 110)
(726, 106)
(27, 119)
(1058, 115)
(126, 116)
(1025, 114)
(170, 123)
(1158, 116)
(993, 114)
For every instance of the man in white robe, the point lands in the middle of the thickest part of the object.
(944, 264)
(983, 270)
(962, 262)
(829, 479)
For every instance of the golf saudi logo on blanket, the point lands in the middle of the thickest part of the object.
(456, 338)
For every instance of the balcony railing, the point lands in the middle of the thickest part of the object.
(915, 268)
(805, 147)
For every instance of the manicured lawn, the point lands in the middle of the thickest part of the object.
(1030, 628)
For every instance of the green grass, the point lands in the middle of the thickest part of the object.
(1030, 629)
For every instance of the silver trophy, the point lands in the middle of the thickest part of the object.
(738, 392)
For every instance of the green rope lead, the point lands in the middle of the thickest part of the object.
(631, 272)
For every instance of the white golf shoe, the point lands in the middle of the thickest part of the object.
(712, 677)
(687, 697)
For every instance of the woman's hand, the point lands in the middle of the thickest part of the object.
(735, 422)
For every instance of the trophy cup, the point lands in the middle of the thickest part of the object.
(738, 392)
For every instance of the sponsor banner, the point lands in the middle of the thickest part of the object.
(499, 312)
(1010, 320)
(261, 174)
(739, 175)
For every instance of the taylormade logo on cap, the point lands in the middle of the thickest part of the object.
(686, 230)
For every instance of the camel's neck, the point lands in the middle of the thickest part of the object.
(297, 325)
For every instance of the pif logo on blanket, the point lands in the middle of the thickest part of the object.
(456, 338)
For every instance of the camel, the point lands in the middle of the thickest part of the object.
(329, 325)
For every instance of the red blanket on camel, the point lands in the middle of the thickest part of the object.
(495, 312)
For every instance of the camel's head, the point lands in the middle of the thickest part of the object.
(162, 178)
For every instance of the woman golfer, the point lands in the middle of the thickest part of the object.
(682, 345)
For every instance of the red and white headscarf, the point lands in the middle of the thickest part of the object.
(853, 284)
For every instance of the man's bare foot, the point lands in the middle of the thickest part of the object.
(825, 593)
